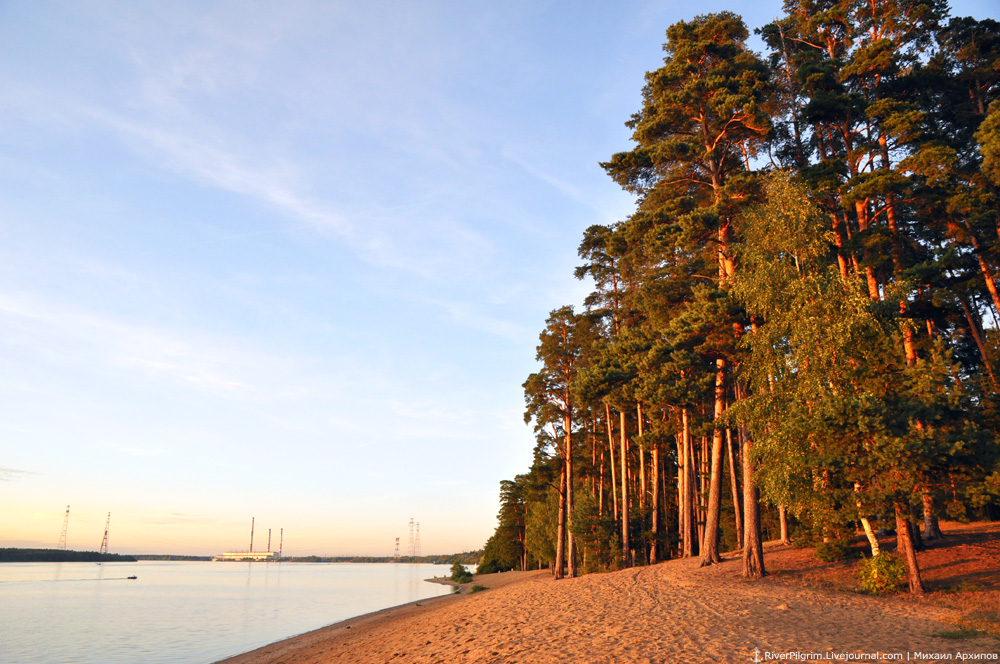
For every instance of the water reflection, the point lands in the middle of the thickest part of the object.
(181, 612)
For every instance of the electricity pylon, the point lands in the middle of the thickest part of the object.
(104, 542)
(62, 538)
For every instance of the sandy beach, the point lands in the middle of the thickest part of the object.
(672, 612)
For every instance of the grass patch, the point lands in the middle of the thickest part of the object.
(961, 632)
(476, 589)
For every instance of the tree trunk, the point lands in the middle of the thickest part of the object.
(702, 496)
(737, 512)
(783, 520)
(710, 542)
(681, 491)
(870, 534)
(611, 458)
(561, 527)
(626, 541)
(686, 481)
(642, 459)
(570, 498)
(654, 546)
(600, 488)
(931, 529)
(753, 546)
(866, 524)
(978, 338)
(904, 545)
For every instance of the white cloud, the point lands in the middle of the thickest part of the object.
(12, 474)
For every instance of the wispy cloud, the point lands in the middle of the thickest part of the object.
(563, 186)
(67, 334)
(12, 474)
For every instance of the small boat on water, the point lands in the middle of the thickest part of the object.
(131, 577)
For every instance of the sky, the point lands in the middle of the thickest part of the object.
(289, 261)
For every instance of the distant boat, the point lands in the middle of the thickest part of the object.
(131, 577)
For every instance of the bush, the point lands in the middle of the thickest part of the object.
(459, 574)
(833, 551)
(881, 574)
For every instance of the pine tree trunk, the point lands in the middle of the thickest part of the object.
(783, 520)
(710, 542)
(753, 546)
(701, 499)
(561, 526)
(642, 460)
(931, 529)
(626, 540)
(681, 492)
(654, 546)
(737, 512)
(978, 338)
(611, 459)
(600, 488)
(687, 505)
(904, 545)
(570, 498)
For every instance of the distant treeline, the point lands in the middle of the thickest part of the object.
(60, 556)
(170, 556)
(466, 558)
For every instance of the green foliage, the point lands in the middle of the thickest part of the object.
(459, 574)
(989, 141)
(881, 574)
(834, 551)
(844, 300)
(505, 548)
(477, 588)
(597, 535)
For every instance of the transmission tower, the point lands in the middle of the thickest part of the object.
(104, 542)
(62, 538)
(416, 542)
(409, 548)
(395, 554)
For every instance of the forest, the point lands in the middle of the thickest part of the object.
(794, 334)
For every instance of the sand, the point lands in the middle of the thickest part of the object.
(672, 612)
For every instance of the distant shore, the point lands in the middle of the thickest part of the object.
(61, 556)
(669, 612)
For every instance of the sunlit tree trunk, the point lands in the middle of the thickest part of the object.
(561, 527)
(687, 484)
(931, 529)
(738, 513)
(626, 541)
(710, 542)
(570, 539)
(654, 547)
(753, 546)
(783, 521)
(611, 459)
(904, 545)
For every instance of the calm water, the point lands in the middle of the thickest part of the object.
(185, 612)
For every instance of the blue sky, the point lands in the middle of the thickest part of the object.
(290, 260)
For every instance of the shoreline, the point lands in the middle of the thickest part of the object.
(300, 645)
(673, 611)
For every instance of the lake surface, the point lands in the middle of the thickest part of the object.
(186, 612)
